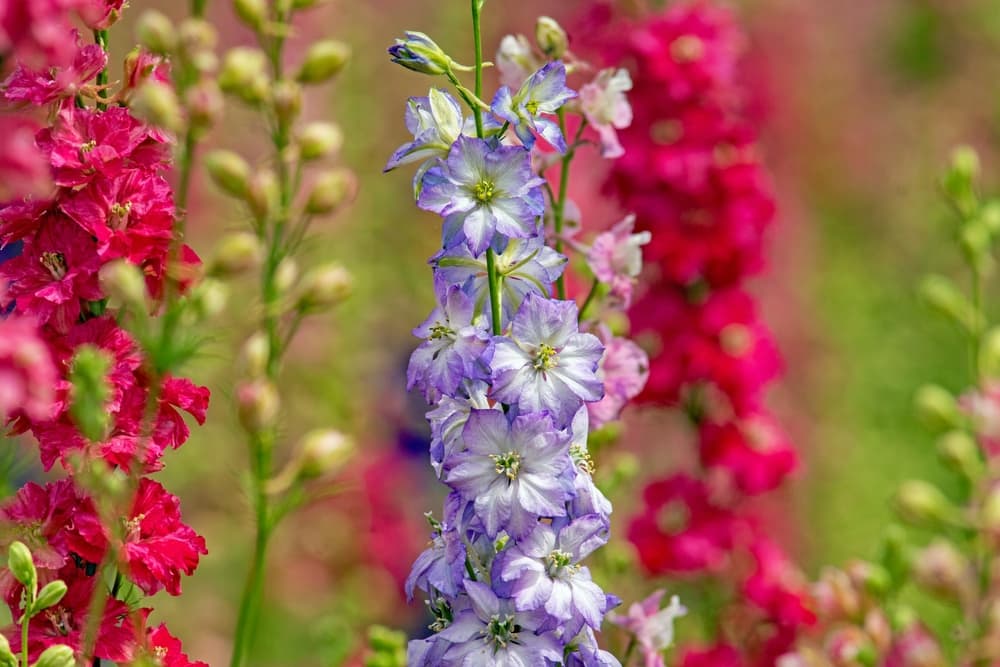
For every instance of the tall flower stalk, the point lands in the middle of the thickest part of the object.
(514, 374)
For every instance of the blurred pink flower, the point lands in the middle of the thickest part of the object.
(652, 627)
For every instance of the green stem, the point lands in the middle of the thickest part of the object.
(591, 295)
(101, 38)
(559, 209)
(198, 8)
(25, 623)
(629, 651)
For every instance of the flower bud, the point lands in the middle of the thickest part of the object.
(205, 62)
(255, 355)
(22, 566)
(251, 12)
(237, 253)
(960, 452)
(989, 512)
(323, 452)
(869, 577)
(331, 190)
(208, 299)
(850, 647)
(420, 53)
(56, 656)
(960, 179)
(285, 275)
(305, 4)
(286, 97)
(921, 503)
(90, 391)
(258, 404)
(941, 294)
(263, 194)
(50, 595)
(324, 287)
(244, 74)
(156, 32)
(990, 356)
(551, 37)
(124, 283)
(324, 60)
(156, 103)
(318, 140)
(7, 658)
(204, 104)
(229, 171)
(941, 569)
(197, 35)
(937, 407)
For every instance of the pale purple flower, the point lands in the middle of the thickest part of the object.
(607, 108)
(492, 632)
(448, 418)
(426, 652)
(546, 363)
(544, 572)
(545, 92)
(487, 190)
(652, 627)
(589, 654)
(511, 471)
(624, 369)
(525, 266)
(435, 122)
(516, 60)
(587, 498)
(440, 567)
(418, 52)
(616, 258)
(455, 342)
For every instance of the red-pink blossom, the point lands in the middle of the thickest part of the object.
(753, 451)
(42, 86)
(778, 587)
(720, 655)
(167, 650)
(623, 369)
(23, 169)
(27, 373)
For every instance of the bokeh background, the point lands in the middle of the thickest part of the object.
(859, 104)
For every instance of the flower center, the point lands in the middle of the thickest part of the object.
(532, 108)
(687, 49)
(673, 518)
(582, 459)
(443, 615)
(439, 331)
(87, 147)
(502, 630)
(545, 358)
(560, 563)
(119, 215)
(55, 262)
(508, 464)
(485, 191)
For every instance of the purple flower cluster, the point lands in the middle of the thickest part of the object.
(503, 573)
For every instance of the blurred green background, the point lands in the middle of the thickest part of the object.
(861, 103)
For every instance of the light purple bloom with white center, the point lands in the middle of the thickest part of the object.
(589, 654)
(448, 418)
(525, 266)
(492, 632)
(435, 122)
(587, 498)
(513, 472)
(544, 92)
(455, 348)
(546, 363)
(440, 567)
(545, 573)
(490, 191)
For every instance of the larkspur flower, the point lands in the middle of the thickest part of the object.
(544, 92)
(40, 87)
(652, 627)
(615, 257)
(587, 498)
(516, 60)
(418, 52)
(624, 369)
(455, 347)
(448, 418)
(543, 571)
(491, 191)
(435, 122)
(511, 470)
(441, 566)
(607, 108)
(526, 266)
(166, 650)
(589, 654)
(546, 363)
(492, 632)
(27, 372)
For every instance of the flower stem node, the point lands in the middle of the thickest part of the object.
(921, 503)
(236, 254)
(937, 407)
(324, 287)
(22, 566)
(124, 283)
(229, 171)
(551, 38)
(252, 12)
(323, 61)
(56, 656)
(258, 404)
(319, 140)
(156, 32)
(331, 190)
(157, 104)
(323, 452)
(244, 75)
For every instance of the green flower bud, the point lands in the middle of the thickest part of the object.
(959, 451)
(7, 658)
(156, 103)
(258, 404)
(318, 140)
(263, 194)
(418, 52)
(237, 253)
(960, 180)
(204, 105)
(989, 512)
(941, 569)
(124, 283)
(922, 504)
(286, 97)
(56, 656)
(551, 38)
(937, 407)
(285, 275)
(255, 354)
(208, 299)
(941, 294)
(244, 74)
(251, 12)
(197, 35)
(88, 375)
(156, 32)
(229, 171)
(323, 452)
(324, 287)
(324, 60)
(50, 595)
(388, 647)
(990, 355)
(331, 190)
(22, 566)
